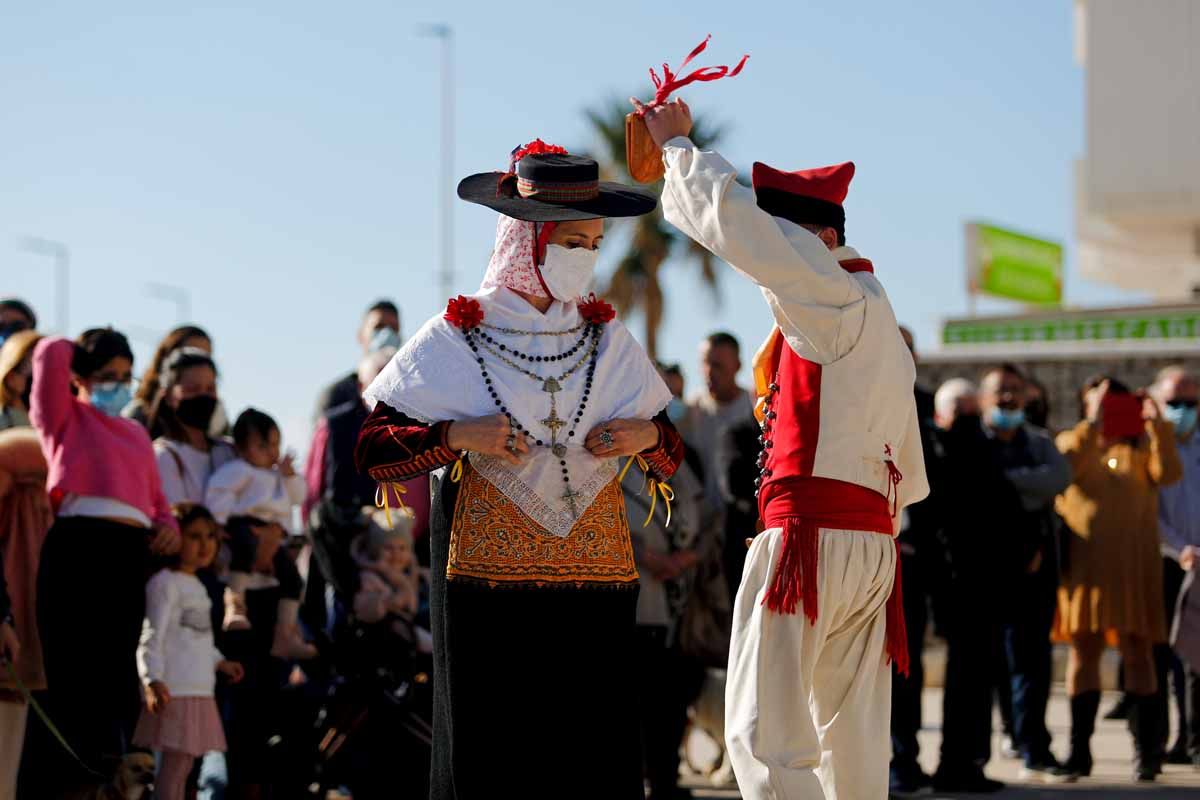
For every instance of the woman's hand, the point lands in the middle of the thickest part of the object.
(628, 437)
(231, 670)
(166, 540)
(1187, 558)
(10, 645)
(157, 696)
(489, 436)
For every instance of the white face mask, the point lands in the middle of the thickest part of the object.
(568, 271)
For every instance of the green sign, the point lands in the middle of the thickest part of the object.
(1008, 264)
(1176, 325)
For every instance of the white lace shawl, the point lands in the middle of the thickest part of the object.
(435, 377)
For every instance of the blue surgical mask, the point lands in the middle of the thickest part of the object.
(1004, 419)
(384, 337)
(111, 397)
(676, 410)
(1182, 417)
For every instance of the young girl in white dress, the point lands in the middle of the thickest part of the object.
(178, 660)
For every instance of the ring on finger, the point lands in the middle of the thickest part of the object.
(606, 438)
(511, 443)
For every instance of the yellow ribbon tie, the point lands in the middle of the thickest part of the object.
(657, 487)
(456, 472)
(383, 492)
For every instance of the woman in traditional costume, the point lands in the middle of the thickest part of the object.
(528, 396)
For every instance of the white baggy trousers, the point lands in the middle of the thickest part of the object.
(808, 706)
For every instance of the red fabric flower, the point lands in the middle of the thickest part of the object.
(463, 312)
(596, 311)
(536, 148)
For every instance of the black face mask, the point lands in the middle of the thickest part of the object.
(197, 412)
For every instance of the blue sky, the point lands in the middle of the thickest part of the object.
(281, 163)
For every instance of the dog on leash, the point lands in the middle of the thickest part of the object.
(133, 779)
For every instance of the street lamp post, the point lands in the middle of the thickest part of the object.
(445, 33)
(181, 297)
(61, 255)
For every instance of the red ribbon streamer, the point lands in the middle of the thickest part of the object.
(670, 81)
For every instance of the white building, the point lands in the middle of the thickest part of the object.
(1138, 183)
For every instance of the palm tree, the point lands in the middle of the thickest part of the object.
(635, 285)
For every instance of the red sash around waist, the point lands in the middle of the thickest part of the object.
(801, 507)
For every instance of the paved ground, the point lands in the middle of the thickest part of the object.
(1111, 747)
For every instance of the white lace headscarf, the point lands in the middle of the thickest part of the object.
(513, 263)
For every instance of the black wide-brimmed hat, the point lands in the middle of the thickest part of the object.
(555, 187)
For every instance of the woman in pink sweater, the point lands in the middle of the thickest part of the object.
(110, 516)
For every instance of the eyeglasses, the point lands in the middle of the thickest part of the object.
(1181, 404)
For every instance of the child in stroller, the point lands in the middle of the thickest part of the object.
(364, 713)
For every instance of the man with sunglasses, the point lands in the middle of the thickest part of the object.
(1177, 391)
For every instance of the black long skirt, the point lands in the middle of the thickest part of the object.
(533, 688)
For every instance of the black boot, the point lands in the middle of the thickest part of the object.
(1146, 724)
(1121, 709)
(1084, 707)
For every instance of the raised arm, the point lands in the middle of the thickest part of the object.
(51, 402)
(1164, 465)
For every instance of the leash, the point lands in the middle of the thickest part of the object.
(23, 690)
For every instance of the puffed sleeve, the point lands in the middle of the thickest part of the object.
(395, 447)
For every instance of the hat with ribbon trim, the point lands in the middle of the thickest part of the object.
(545, 183)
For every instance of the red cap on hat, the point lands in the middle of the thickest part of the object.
(823, 183)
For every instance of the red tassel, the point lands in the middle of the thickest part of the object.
(897, 630)
(796, 574)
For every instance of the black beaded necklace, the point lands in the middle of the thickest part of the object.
(552, 386)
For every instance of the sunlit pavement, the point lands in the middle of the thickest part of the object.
(1111, 747)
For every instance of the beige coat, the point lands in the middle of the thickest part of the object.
(1113, 580)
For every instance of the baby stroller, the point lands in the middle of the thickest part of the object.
(363, 719)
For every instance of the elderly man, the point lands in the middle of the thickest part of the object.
(955, 398)
(1177, 391)
(1002, 476)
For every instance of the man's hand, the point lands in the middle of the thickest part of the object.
(1187, 558)
(667, 121)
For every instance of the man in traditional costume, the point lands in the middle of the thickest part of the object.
(808, 695)
(523, 396)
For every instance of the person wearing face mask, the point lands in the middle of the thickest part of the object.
(182, 411)
(1122, 453)
(1176, 391)
(379, 330)
(16, 379)
(183, 336)
(111, 515)
(818, 616)
(1035, 468)
(530, 395)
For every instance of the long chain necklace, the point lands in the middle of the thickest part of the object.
(530, 358)
(553, 422)
(519, 332)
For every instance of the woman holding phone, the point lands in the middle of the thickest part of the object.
(1121, 452)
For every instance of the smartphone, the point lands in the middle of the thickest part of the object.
(1122, 416)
